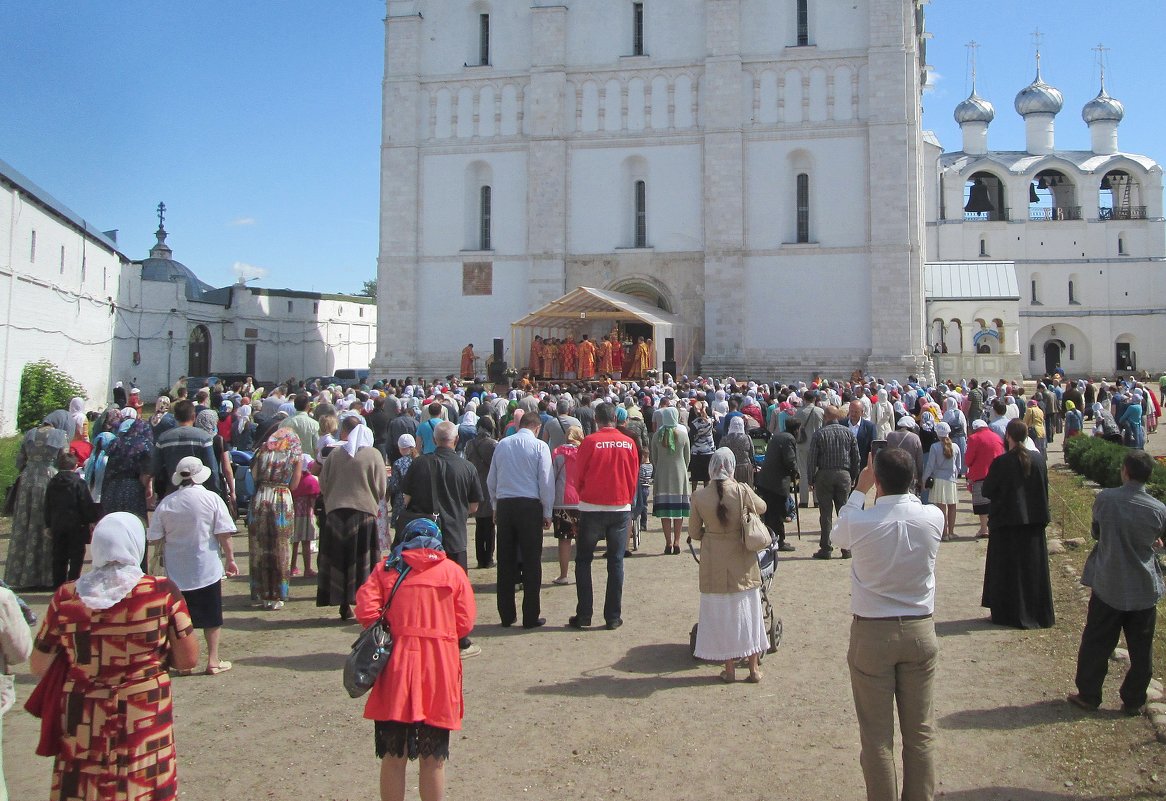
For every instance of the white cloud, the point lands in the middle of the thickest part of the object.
(247, 272)
(238, 221)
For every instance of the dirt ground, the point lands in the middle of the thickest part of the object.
(562, 714)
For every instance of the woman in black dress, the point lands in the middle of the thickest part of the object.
(1017, 587)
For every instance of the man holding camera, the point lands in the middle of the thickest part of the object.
(893, 649)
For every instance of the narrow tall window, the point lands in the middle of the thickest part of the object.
(484, 40)
(803, 208)
(641, 214)
(1121, 246)
(484, 238)
(1034, 300)
(289, 307)
(1072, 294)
(803, 23)
(32, 248)
(1072, 351)
(637, 29)
(983, 246)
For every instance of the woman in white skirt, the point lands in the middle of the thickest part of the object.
(944, 464)
(732, 625)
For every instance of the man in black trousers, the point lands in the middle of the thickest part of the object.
(1127, 522)
(521, 484)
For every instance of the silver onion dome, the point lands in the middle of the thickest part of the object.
(1103, 107)
(975, 109)
(1039, 98)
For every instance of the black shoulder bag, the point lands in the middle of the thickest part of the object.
(371, 651)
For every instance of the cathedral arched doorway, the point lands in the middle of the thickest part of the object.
(199, 352)
(1053, 350)
(650, 292)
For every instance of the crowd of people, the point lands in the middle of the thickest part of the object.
(400, 467)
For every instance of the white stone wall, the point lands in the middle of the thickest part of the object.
(316, 337)
(56, 305)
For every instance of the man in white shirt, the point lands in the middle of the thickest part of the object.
(195, 527)
(521, 484)
(893, 650)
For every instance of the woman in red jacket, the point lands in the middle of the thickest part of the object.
(417, 700)
(984, 446)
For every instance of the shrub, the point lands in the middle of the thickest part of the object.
(44, 387)
(1101, 461)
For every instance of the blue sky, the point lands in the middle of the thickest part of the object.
(259, 123)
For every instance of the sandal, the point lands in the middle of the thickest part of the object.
(755, 678)
(222, 667)
(561, 581)
(727, 677)
(177, 672)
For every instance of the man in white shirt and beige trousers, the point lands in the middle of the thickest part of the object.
(893, 650)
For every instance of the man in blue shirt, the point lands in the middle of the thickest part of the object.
(1126, 582)
(521, 484)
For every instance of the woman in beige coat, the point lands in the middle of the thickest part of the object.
(732, 625)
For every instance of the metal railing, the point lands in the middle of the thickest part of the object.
(1055, 214)
(1123, 213)
(986, 216)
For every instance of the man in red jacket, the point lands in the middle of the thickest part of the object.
(608, 466)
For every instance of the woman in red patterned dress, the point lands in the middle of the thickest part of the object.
(117, 630)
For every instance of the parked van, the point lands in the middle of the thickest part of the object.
(351, 376)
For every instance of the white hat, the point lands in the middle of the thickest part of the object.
(942, 429)
(190, 468)
(906, 421)
(406, 441)
(135, 391)
(978, 424)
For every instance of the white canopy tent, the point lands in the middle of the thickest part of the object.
(591, 311)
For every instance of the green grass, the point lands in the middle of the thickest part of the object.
(9, 447)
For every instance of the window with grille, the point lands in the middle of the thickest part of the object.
(803, 205)
(803, 23)
(484, 40)
(484, 239)
(641, 214)
(637, 29)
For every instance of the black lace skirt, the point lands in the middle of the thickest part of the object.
(413, 740)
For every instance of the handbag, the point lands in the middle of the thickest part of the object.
(45, 702)
(10, 497)
(371, 651)
(755, 535)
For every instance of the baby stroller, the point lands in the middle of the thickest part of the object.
(767, 561)
(244, 481)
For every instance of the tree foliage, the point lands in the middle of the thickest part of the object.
(44, 387)
(370, 289)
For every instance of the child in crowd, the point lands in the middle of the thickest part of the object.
(70, 513)
(304, 530)
(643, 490)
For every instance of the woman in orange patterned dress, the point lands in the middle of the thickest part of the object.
(117, 630)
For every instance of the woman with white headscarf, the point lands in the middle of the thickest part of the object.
(112, 634)
(882, 414)
(352, 481)
(741, 444)
(958, 423)
(732, 624)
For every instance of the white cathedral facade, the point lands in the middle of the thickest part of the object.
(755, 174)
(751, 170)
